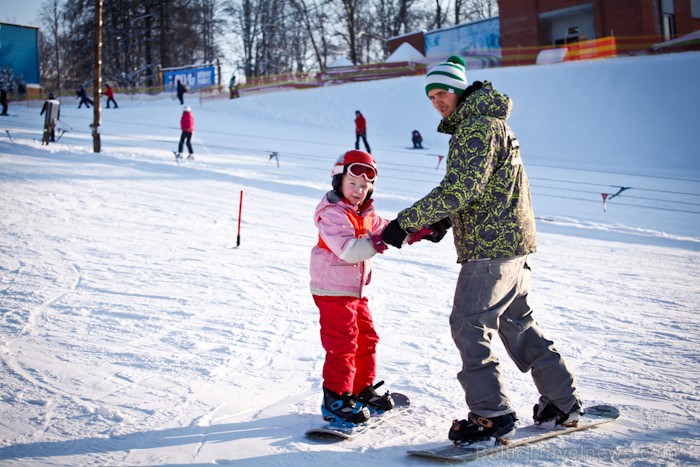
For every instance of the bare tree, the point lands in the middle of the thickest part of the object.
(474, 10)
(349, 14)
(315, 19)
(440, 16)
(51, 15)
(395, 17)
(459, 4)
(245, 23)
(208, 25)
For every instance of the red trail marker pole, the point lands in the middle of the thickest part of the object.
(240, 210)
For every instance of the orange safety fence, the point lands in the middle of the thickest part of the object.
(587, 50)
(604, 47)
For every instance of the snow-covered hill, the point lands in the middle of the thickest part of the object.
(134, 332)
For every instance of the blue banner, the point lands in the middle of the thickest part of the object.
(193, 78)
(19, 51)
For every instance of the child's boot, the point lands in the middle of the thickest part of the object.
(342, 408)
(376, 403)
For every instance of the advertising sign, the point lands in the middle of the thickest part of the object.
(479, 43)
(193, 78)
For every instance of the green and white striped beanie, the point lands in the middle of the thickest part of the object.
(450, 76)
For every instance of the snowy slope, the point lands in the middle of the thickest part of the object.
(133, 332)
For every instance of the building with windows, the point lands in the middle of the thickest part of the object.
(602, 27)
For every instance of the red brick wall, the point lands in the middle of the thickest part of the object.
(629, 21)
(520, 24)
(627, 18)
(685, 23)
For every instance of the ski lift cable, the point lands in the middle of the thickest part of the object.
(423, 169)
(272, 138)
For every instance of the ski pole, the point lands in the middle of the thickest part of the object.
(240, 210)
(64, 124)
(63, 132)
(9, 135)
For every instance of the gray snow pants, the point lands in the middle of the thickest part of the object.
(490, 297)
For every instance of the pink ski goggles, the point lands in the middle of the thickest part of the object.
(359, 169)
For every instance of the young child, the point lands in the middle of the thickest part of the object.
(340, 270)
(348, 236)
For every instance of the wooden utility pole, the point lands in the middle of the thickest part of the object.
(97, 86)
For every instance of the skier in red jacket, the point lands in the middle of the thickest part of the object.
(187, 125)
(109, 92)
(361, 130)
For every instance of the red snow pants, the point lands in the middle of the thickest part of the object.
(349, 338)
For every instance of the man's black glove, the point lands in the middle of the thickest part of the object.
(393, 234)
(440, 229)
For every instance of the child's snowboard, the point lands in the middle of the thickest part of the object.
(592, 417)
(339, 433)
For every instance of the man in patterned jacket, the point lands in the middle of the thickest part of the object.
(485, 198)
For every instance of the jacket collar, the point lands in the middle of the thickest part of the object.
(334, 198)
(482, 101)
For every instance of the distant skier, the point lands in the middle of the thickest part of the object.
(52, 109)
(187, 126)
(3, 102)
(82, 95)
(181, 89)
(417, 139)
(109, 92)
(361, 131)
(232, 88)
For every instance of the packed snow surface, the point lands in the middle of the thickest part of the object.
(133, 330)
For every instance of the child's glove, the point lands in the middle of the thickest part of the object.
(425, 232)
(378, 244)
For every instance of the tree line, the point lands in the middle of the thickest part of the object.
(255, 37)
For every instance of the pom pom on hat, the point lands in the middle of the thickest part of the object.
(450, 76)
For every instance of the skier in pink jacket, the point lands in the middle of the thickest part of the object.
(187, 127)
(349, 234)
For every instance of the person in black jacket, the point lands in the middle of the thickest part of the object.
(50, 123)
(181, 90)
(3, 101)
(84, 99)
(417, 139)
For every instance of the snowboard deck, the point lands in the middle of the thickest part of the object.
(330, 432)
(592, 417)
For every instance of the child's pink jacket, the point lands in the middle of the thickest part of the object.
(340, 261)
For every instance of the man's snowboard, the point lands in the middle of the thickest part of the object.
(332, 432)
(593, 416)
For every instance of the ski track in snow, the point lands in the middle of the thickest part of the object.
(134, 332)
